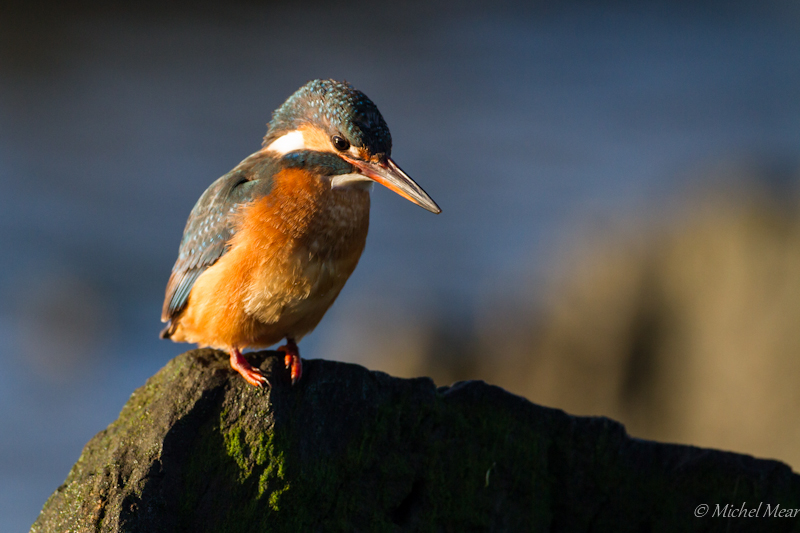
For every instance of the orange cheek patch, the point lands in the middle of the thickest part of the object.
(316, 139)
(363, 153)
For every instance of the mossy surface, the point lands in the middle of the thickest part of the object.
(196, 449)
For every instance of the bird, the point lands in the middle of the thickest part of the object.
(268, 246)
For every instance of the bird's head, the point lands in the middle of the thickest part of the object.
(333, 117)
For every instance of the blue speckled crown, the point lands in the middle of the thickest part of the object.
(337, 107)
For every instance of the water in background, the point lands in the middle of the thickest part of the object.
(529, 126)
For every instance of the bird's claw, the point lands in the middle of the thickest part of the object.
(255, 377)
(292, 360)
(294, 363)
(251, 374)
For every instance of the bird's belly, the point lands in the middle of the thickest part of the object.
(305, 264)
(231, 306)
(292, 297)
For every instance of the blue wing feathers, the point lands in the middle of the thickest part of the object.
(211, 225)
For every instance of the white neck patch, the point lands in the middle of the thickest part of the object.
(289, 142)
(351, 181)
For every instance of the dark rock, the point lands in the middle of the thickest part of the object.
(198, 450)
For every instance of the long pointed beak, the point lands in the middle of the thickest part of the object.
(388, 174)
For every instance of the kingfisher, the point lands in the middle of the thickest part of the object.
(269, 245)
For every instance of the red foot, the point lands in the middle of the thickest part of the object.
(292, 359)
(251, 374)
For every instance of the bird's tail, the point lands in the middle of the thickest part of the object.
(167, 332)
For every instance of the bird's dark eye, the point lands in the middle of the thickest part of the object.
(340, 143)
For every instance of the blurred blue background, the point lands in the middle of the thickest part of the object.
(559, 139)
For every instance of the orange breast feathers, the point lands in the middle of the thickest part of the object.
(292, 253)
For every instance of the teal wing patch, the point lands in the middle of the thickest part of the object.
(211, 225)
